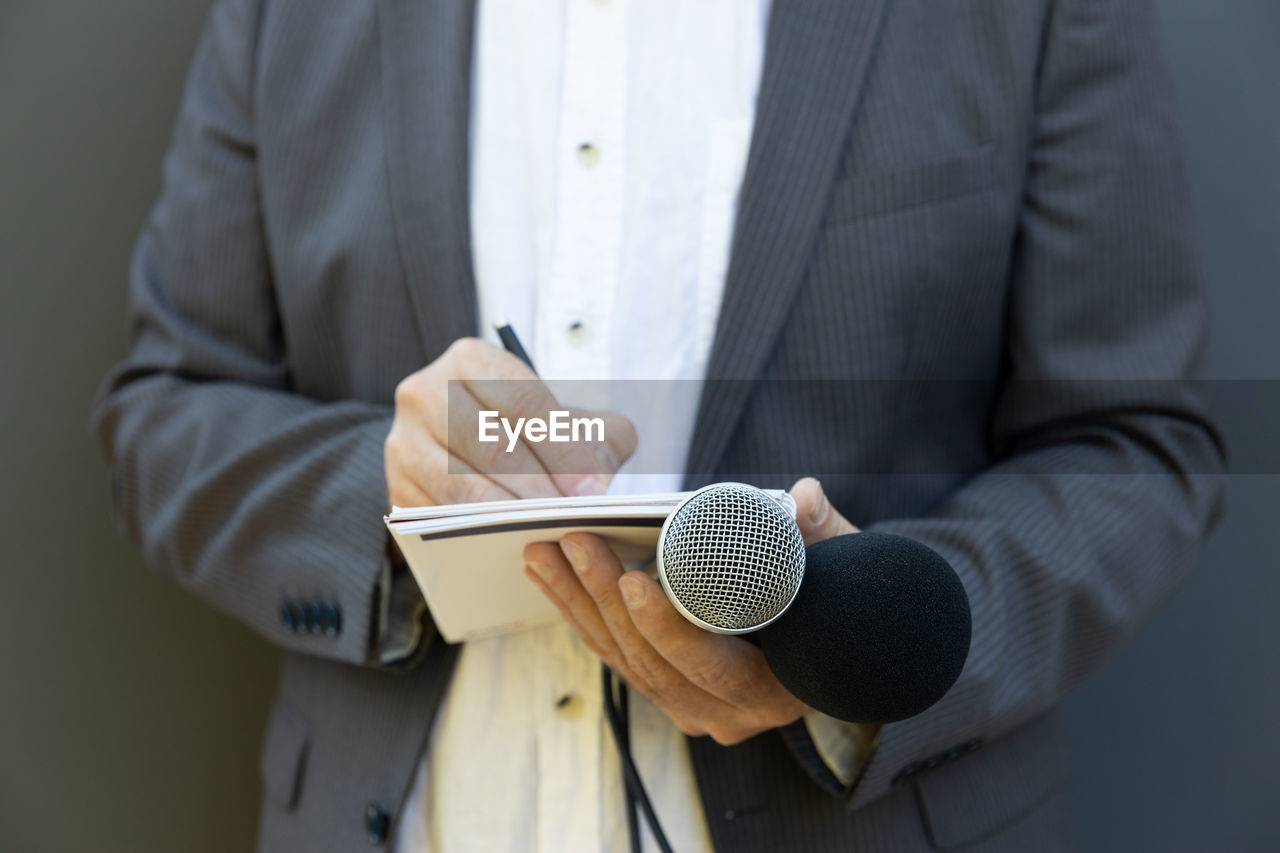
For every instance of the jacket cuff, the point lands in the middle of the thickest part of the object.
(834, 753)
(844, 748)
(402, 629)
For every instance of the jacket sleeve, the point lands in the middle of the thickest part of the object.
(1107, 469)
(253, 497)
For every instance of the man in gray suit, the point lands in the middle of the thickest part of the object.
(962, 289)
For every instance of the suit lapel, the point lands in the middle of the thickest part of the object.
(426, 88)
(816, 57)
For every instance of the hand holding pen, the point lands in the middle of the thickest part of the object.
(433, 453)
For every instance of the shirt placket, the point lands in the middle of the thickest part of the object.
(575, 315)
(574, 319)
(567, 715)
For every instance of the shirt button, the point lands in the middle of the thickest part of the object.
(569, 706)
(588, 154)
(577, 333)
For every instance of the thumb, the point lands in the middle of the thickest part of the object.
(815, 515)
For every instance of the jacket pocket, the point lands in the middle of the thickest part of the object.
(284, 754)
(981, 794)
(857, 196)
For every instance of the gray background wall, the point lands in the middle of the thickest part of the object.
(1177, 741)
(130, 715)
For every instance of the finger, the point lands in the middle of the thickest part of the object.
(598, 442)
(584, 619)
(403, 492)
(458, 483)
(402, 487)
(620, 437)
(476, 358)
(513, 465)
(815, 516)
(498, 381)
(420, 473)
(729, 668)
(598, 570)
(557, 577)
(422, 406)
(612, 660)
(609, 657)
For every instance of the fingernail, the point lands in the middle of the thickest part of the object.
(818, 512)
(604, 455)
(577, 556)
(541, 570)
(633, 591)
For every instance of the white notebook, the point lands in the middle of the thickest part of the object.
(468, 558)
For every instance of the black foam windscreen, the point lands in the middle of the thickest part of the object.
(878, 632)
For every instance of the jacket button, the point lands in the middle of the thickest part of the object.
(376, 823)
(289, 615)
(332, 620)
(314, 617)
(907, 772)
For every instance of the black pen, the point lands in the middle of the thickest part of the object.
(511, 343)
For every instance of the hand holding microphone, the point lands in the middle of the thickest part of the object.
(865, 627)
(708, 684)
(724, 685)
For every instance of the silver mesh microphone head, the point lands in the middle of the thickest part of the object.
(731, 558)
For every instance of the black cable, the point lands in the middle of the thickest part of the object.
(629, 773)
(633, 820)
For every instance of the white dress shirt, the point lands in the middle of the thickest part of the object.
(608, 142)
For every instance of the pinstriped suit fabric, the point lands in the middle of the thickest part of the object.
(986, 192)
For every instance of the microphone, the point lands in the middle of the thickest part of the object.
(731, 558)
(866, 628)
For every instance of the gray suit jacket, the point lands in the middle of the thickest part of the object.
(962, 225)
